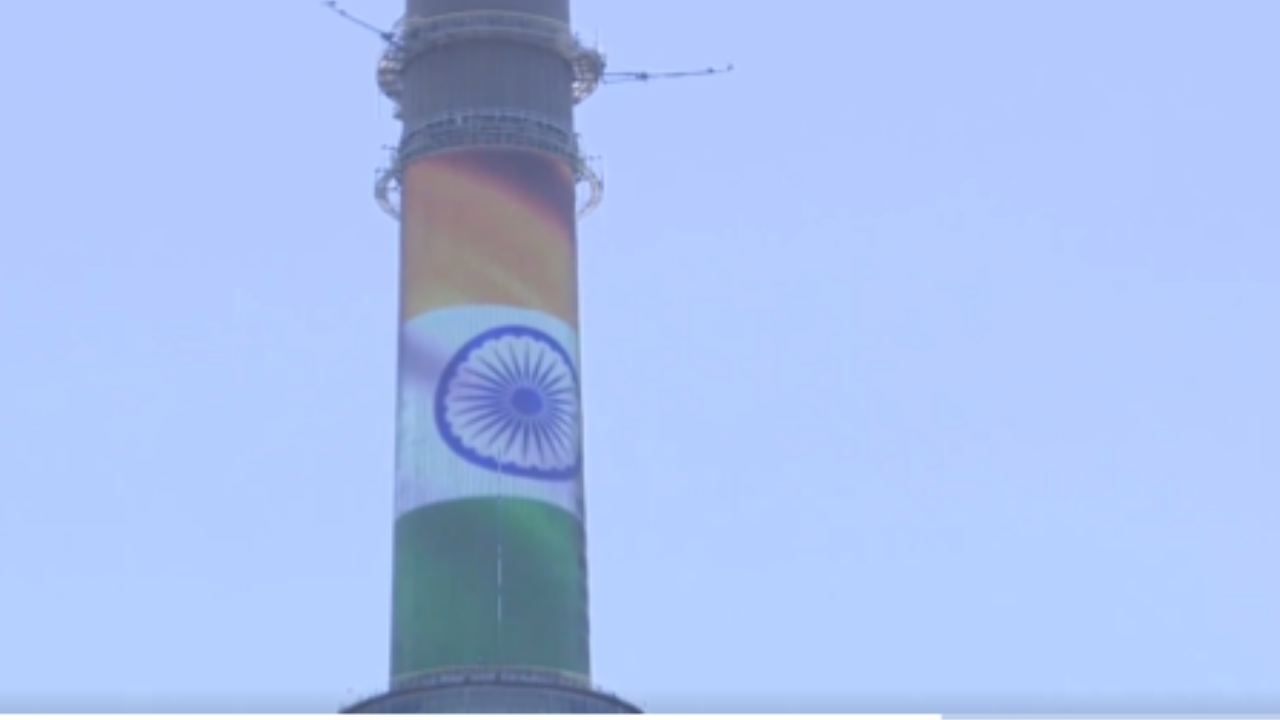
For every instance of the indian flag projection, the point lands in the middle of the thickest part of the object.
(488, 408)
(490, 562)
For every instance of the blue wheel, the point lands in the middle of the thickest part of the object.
(508, 401)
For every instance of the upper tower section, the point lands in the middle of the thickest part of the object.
(451, 54)
(491, 73)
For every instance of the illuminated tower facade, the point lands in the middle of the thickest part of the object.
(490, 601)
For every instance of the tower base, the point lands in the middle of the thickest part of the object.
(492, 690)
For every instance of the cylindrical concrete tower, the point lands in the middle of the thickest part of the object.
(490, 607)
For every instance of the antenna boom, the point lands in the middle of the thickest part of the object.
(387, 36)
(611, 78)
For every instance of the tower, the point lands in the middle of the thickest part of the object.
(490, 605)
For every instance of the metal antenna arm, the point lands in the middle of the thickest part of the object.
(643, 76)
(389, 37)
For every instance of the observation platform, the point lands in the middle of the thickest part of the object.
(498, 128)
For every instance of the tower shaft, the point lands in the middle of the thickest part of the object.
(490, 600)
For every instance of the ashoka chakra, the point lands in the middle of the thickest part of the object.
(508, 401)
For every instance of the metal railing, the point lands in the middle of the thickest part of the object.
(498, 127)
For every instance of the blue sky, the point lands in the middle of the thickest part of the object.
(929, 358)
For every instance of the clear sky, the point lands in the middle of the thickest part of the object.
(930, 358)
